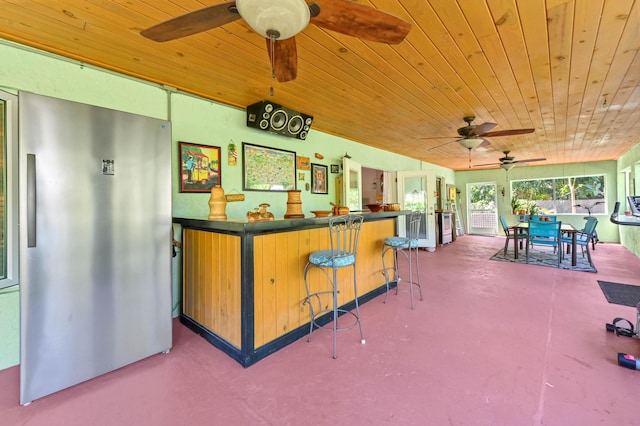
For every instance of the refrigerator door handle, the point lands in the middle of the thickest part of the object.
(31, 200)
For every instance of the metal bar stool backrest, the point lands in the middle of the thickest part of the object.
(344, 232)
(415, 220)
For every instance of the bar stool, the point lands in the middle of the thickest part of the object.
(344, 232)
(409, 247)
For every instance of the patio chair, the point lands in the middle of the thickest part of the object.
(594, 239)
(547, 218)
(511, 234)
(546, 234)
(584, 237)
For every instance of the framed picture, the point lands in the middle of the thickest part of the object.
(199, 167)
(452, 192)
(318, 179)
(335, 168)
(268, 169)
(304, 163)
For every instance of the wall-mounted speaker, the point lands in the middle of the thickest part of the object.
(274, 118)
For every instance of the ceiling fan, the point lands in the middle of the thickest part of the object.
(280, 20)
(474, 135)
(507, 162)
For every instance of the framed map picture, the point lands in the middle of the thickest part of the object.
(268, 169)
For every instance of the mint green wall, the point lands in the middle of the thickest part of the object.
(607, 231)
(204, 122)
(193, 120)
(629, 162)
(9, 326)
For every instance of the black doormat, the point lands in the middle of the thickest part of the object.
(620, 294)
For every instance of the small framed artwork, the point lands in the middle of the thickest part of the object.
(304, 163)
(452, 192)
(318, 179)
(268, 169)
(335, 168)
(199, 167)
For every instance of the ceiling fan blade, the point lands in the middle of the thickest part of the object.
(193, 22)
(482, 129)
(530, 160)
(442, 144)
(488, 164)
(508, 132)
(358, 20)
(284, 58)
(485, 143)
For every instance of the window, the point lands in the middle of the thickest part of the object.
(8, 190)
(562, 195)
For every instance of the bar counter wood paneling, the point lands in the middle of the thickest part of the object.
(243, 287)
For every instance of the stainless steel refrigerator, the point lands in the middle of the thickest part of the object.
(95, 241)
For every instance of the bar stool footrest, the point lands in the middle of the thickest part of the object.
(318, 324)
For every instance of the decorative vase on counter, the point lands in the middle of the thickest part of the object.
(217, 204)
(294, 205)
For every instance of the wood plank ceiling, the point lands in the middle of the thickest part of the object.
(568, 69)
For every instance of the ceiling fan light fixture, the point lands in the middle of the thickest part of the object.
(470, 143)
(284, 17)
(507, 166)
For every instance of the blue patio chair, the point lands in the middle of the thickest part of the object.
(552, 218)
(546, 234)
(584, 237)
(511, 234)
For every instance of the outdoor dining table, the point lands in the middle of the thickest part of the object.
(565, 228)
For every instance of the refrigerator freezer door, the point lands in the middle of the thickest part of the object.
(95, 249)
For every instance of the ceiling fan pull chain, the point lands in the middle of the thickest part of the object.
(272, 36)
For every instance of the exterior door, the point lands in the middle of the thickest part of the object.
(482, 208)
(352, 184)
(416, 192)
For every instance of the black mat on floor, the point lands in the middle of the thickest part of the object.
(620, 294)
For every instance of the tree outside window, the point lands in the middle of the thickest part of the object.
(563, 195)
(483, 197)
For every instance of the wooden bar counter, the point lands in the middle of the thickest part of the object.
(243, 287)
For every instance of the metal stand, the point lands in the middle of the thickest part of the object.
(625, 360)
(409, 247)
(344, 232)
